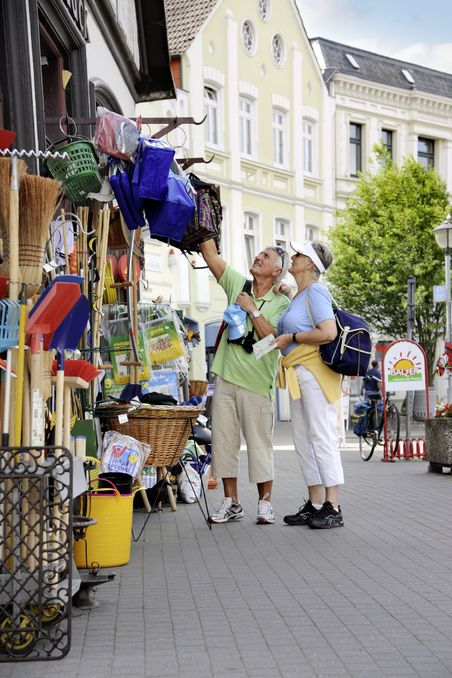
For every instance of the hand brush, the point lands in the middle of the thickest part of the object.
(38, 199)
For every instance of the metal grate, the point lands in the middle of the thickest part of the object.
(35, 553)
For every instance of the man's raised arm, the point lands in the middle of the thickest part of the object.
(214, 261)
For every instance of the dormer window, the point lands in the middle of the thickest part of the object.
(408, 76)
(351, 59)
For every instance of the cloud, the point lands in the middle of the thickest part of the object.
(336, 17)
(438, 56)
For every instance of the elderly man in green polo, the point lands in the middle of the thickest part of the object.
(245, 386)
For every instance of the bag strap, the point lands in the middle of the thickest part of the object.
(308, 308)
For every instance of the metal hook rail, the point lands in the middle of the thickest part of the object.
(34, 154)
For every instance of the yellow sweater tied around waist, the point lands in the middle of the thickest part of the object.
(309, 357)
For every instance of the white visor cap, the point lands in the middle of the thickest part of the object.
(308, 250)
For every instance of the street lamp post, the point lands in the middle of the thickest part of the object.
(443, 235)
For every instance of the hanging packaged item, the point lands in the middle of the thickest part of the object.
(170, 219)
(123, 454)
(115, 135)
(122, 188)
(207, 218)
(151, 170)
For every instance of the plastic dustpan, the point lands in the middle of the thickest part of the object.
(68, 279)
(51, 309)
(68, 333)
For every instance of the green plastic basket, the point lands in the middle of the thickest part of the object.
(78, 173)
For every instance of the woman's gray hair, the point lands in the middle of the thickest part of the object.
(285, 261)
(324, 255)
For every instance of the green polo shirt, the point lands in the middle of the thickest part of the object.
(232, 362)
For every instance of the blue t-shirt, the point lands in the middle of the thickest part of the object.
(296, 317)
(371, 385)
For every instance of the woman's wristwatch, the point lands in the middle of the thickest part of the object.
(294, 338)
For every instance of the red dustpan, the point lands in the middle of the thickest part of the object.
(50, 310)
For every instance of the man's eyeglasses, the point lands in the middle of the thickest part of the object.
(282, 253)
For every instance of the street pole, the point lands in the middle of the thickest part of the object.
(448, 317)
(411, 302)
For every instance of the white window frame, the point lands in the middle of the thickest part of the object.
(309, 146)
(250, 238)
(247, 127)
(312, 232)
(213, 111)
(281, 234)
(279, 134)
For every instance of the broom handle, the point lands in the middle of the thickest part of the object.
(101, 268)
(67, 416)
(66, 254)
(14, 232)
(59, 398)
(20, 368)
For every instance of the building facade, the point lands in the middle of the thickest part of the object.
(250, 69)
(64, 57)
(379, 99)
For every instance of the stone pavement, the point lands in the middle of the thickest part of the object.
(371, 599)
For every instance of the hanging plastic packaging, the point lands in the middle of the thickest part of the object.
(151, 170)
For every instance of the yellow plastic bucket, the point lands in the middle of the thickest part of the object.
(108, 541)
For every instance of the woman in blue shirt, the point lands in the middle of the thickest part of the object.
(307, 323)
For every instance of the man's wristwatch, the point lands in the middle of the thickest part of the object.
(255, 314)
(294, 338)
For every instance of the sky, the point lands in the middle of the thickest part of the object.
(418, 31)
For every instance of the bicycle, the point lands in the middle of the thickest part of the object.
(373, 433)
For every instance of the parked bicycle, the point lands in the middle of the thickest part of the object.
(369, 424)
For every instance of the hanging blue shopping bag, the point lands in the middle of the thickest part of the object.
(151, 171)
(122, 189)
(170, 218)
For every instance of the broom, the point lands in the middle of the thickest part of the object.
(38, 199)
(5, 180)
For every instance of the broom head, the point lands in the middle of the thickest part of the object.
(78, 368)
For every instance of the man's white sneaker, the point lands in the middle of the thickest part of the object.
(265, 512)
(226, 511)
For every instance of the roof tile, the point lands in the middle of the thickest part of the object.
(183, 21)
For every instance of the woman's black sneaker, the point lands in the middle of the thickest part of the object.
(327, 517)
(302, 516)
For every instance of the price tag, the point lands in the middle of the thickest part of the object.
(123, 418)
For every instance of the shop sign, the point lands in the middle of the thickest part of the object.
(404, 366)
(77, 10)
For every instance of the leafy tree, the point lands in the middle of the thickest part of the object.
(383, 236)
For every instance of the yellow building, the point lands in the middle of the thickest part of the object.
(249, 67)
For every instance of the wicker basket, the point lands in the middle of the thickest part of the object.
(165, 429)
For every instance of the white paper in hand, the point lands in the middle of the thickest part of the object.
(264, 346)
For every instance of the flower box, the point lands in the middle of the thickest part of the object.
(438, 439)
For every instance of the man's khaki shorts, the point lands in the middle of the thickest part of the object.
(236, 408)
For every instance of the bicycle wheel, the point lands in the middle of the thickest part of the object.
(393, 424)
(366, 450)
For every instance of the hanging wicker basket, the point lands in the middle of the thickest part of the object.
(165, 428)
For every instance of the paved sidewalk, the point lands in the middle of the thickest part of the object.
(371, 599)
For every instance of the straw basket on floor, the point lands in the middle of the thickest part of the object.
(165, 428)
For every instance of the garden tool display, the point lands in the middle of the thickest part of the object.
(45, 316)
(66, 337)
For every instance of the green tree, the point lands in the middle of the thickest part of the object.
(383, 236)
